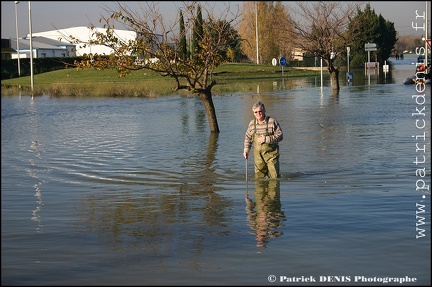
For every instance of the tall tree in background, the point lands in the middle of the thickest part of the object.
(156, 54)
(197, 33)
(231, 49)
(247, 30)
(274, 37)
(319, 29)
(386, 40)
(368, 27)
(182, 35)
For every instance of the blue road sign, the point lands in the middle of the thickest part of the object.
(282, 61)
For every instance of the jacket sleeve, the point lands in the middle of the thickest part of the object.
(248, 140)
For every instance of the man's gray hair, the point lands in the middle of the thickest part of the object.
(259, 104)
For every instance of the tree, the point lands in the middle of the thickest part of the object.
(318, 29)
(151, 49)
(408, 43)
(273, 31)
(197, 33)
(182, 43)
(230, 50)
(377, 30)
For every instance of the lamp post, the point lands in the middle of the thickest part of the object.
(31, 48)
(321, 68)
(17, 41)
(256, 32)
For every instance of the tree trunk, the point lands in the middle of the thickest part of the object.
(207, 100)
(334, 76)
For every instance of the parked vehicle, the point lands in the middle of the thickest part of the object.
(422, 72)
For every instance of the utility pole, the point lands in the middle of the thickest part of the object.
(256, 32)
(31, 49)
(17, 41)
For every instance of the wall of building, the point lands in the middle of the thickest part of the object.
(84, 35)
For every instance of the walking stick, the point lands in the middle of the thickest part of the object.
(247, 186)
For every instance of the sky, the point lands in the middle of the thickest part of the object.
(53, 15)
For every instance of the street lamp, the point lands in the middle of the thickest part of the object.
(256, 32)
(17, 41)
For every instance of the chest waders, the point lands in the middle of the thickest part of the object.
(266, 156)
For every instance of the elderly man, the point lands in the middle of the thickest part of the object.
(265, 133)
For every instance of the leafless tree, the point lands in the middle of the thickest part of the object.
(319, 29)
(156, 46)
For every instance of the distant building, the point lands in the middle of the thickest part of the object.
(6, 49)
(84, 35)
(42, 48)
(57, 43)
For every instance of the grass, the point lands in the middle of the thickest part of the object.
(143, 83)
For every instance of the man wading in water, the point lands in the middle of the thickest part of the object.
(265, 133)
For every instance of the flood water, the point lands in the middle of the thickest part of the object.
(137, 191)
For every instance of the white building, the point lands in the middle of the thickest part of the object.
(57, 43)
(84, 35)
(42, 48)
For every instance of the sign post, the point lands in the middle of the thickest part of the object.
(282, 62)
(370, 47)
(349, 75)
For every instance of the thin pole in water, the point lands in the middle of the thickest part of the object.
(246, 169)
(247, 186)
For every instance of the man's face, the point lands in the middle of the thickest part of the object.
(259, 114)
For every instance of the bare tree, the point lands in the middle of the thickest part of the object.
(319, 29)
(156, 46)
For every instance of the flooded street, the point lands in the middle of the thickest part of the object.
(137, 191)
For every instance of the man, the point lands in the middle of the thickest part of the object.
(265, 133)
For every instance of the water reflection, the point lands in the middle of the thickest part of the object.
(160, 220)
(265, 215)
(33, 171)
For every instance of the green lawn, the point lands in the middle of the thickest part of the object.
(143, 83)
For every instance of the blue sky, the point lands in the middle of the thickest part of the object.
(52, 15)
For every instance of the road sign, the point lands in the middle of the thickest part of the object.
(274, 62)
(370, 49)
(370, 45)
(428, 41)
(282, 61)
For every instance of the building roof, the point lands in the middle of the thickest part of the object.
(82, 35)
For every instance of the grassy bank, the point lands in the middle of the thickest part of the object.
(144, 83)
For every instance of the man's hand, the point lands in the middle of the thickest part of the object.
(245, 154)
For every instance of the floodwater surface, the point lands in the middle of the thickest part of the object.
(137, 191)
